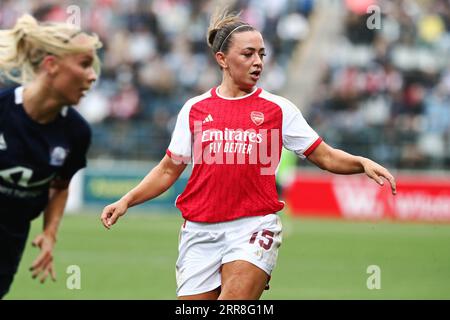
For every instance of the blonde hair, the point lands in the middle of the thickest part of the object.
(23, 47)
(221, 27)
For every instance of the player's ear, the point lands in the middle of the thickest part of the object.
(50, 64)
(221, 60)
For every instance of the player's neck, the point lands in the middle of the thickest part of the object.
(229, 89)
(39, 103)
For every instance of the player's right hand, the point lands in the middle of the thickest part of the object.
(43, 264)
(113, 212)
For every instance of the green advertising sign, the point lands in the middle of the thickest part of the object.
(102, 187)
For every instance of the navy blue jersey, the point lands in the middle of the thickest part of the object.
(33, 154)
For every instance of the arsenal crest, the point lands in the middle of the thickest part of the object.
(257, 117)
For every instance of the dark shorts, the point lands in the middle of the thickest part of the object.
(13, 239)
(5, 284)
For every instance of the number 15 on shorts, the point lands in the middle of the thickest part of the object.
(265, 238)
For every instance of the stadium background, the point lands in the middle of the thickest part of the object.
(381, 92)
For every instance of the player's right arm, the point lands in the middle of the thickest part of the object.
(157, 181)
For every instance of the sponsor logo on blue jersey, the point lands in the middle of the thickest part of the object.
(57, 156)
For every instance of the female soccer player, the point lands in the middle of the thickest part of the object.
(43, 142)
(234, 134)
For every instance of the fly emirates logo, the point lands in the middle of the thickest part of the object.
(237, 146)
(231, 141)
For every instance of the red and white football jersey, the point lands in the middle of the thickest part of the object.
(235, 146)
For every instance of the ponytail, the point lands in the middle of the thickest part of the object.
(222, 25)
(23, 47)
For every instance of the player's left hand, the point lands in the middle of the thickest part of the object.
(43, 264)
(377, 172)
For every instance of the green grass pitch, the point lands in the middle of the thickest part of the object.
(319, 259)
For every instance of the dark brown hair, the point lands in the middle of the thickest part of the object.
(222, 25)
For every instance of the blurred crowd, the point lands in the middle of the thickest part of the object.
(386, 91)
(155, 57)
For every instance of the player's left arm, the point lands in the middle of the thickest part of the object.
(45, 241)
(341, 162)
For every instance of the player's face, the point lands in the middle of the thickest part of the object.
(244, 59)
(74, 77)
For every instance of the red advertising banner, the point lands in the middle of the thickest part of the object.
(419, 197)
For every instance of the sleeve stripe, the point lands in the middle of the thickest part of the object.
(175, 157)
(312, 147)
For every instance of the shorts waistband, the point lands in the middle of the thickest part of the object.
(219, 226)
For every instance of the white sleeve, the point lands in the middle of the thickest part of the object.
(298, 136)
(180, 147)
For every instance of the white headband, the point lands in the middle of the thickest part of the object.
(223, 42)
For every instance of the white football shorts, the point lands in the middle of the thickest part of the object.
(204, 247)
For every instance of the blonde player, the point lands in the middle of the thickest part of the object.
(43, 141)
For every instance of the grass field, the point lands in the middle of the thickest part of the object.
(319, 259)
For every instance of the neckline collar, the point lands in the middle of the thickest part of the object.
(18, 99)
(254, 92)
(18, 95)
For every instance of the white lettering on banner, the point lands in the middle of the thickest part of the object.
(361, 199)
(419, 198)
(422, 206)
(358, 198)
